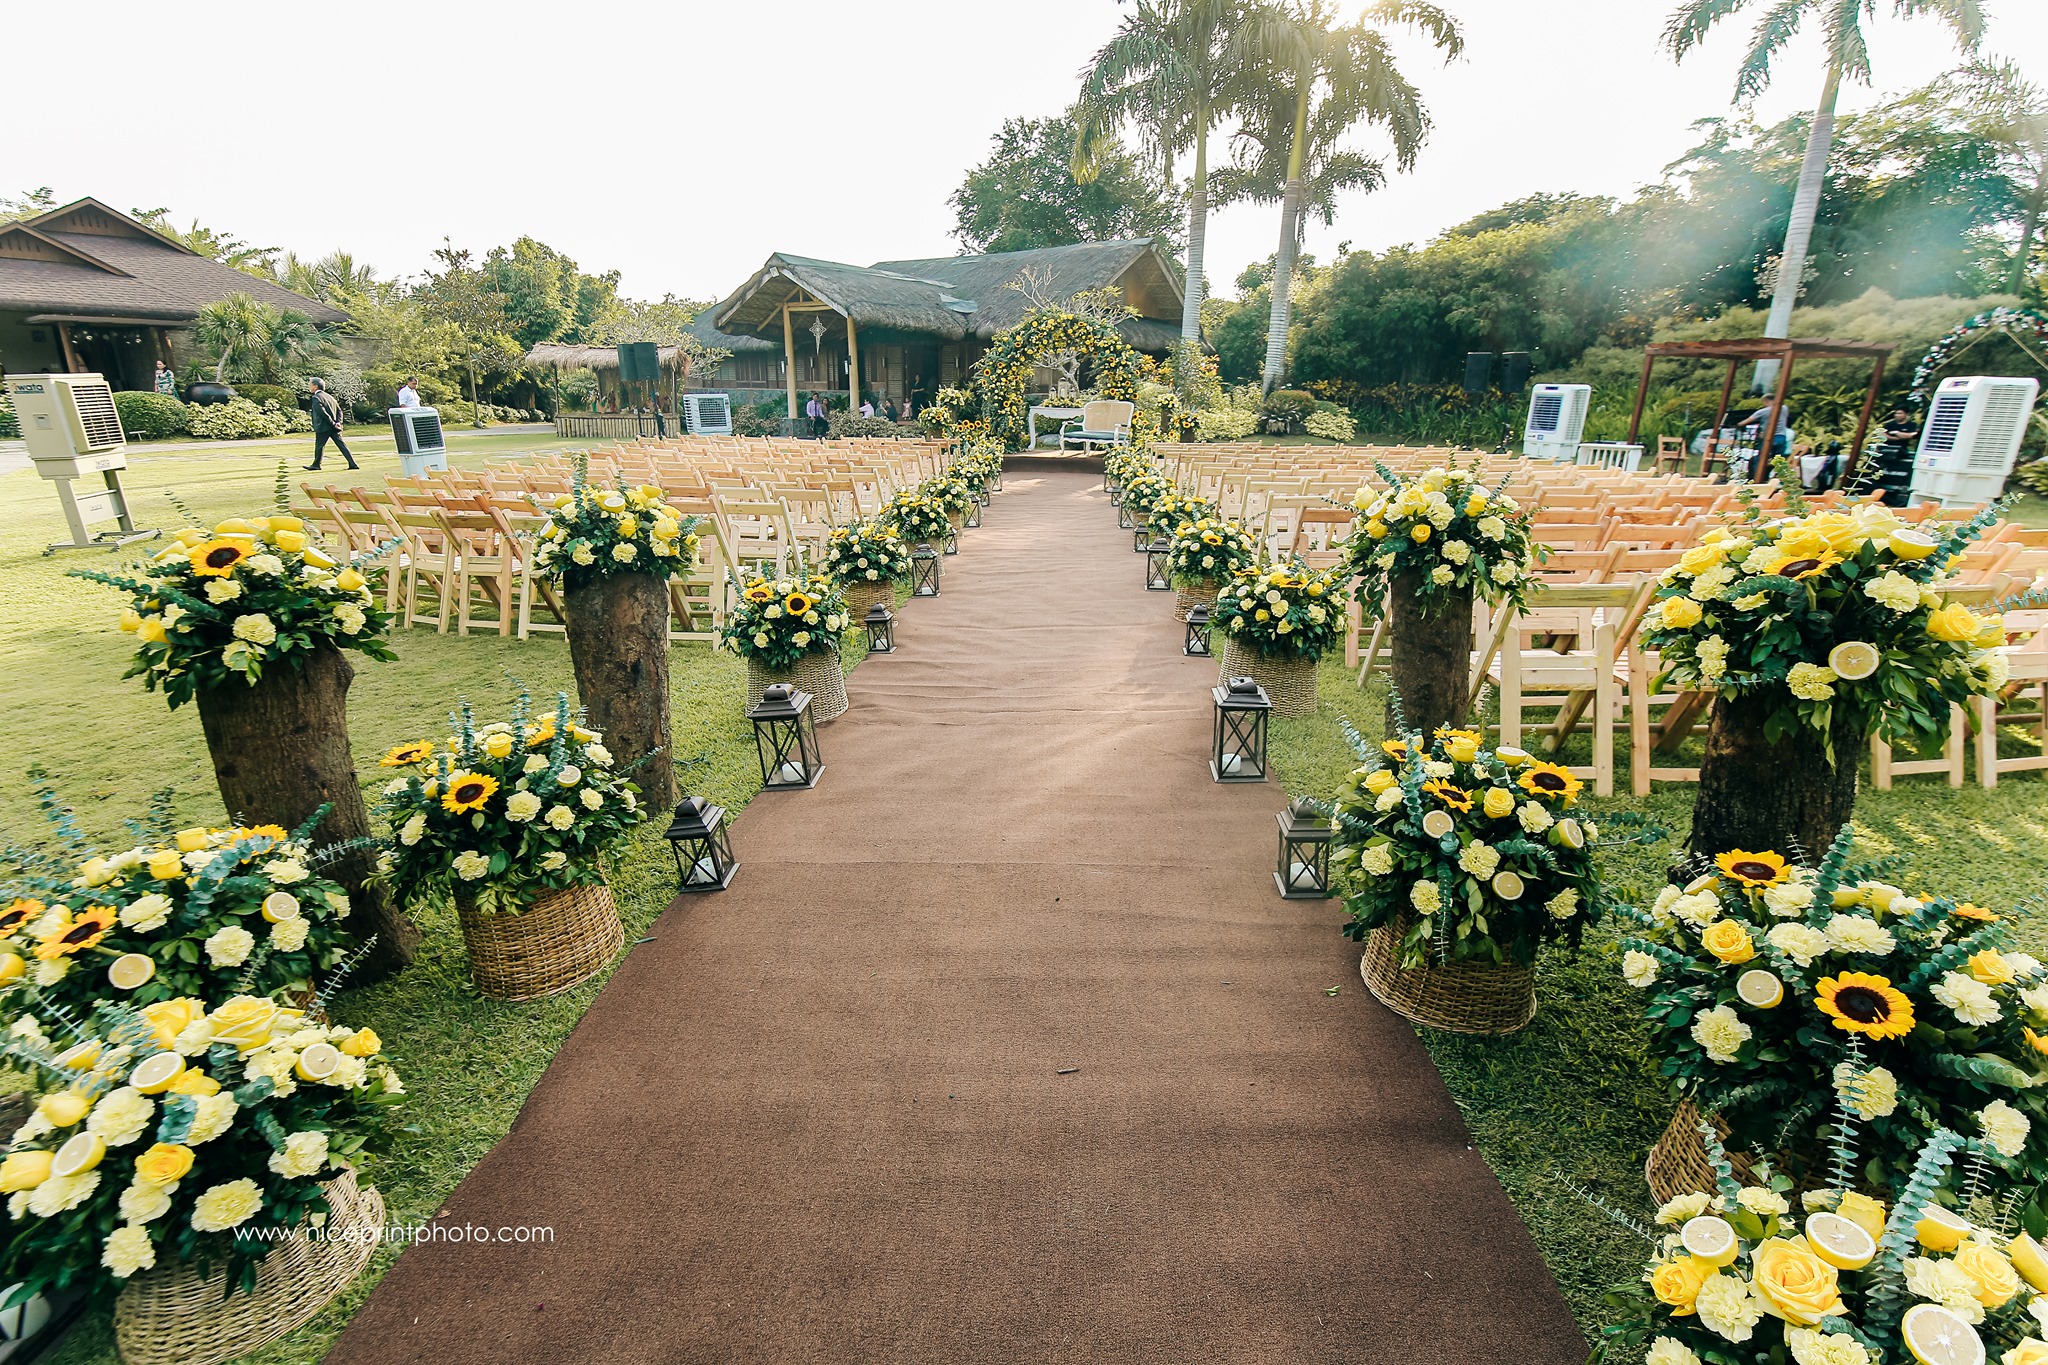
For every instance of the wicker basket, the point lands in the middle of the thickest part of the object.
(1290, 683)
(1459, 997)
(959, 520)
(1678, 1163)
(1189, 593)
(172, 1315)
(821, 675)
(861, 598)
(561, 940)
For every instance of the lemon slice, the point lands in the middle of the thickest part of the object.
(1568, 833)
(1706, 882)
(1854, 660)
(1507, 886)
(80, 1056)
(318, 1062)
(11, 967)
(79, 1154)
(1839, 1241)
(279, 906)
(2029, 1259)
(1710, 1240)
(1907, 544)
(156, 1072)
(1760, 989)
(1437, 824)
(1936, 1336)
(130, 970)
(1510, 755)
(1940, 1229)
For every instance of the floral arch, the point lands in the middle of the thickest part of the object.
(2021, 325)
(1004, 369)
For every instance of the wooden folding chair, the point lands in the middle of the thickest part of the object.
(1570, 681)
(2028, 661)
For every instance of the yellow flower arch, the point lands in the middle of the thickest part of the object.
(1004, 369)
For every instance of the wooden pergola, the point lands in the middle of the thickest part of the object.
(1749, 350)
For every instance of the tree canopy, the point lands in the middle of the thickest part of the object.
(1025, 194)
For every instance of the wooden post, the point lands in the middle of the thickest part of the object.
(789, 360)
(618, 647)
(1635, 421)
(1432, 655)
(852, 369)
(1775, 420)
(1863, 424)
(1720, 419)
(70, 356)
(163, 345)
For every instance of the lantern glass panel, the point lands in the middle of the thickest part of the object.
(1197, 646)
(1239, 750)
(881, 627)
(1123, 514)
(1159, 566)
(702, 847)
(973, 517)
(1303, 870)
(924, 574)
(952, 542)
(786, 740)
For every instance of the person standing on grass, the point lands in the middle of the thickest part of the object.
(408, 394)
(327, 421)
(166, 380)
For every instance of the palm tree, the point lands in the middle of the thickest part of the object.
(2011, 112)
(1847, 56)
(1324, 78)
(232, 327)
(1167, 72)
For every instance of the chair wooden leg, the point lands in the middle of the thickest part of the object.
(1638, 728)
(1603, 736)
(1880, 764)
(1987, 740)
(1952, 747)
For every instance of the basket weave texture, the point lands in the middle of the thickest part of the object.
(1290, 683)
(861, 598)
(1188, 593)
(561, 940)
(1678, 1163)
(821, 675)
(1459, 997)
(173, 1315)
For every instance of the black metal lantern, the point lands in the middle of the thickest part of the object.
(1197, 646)
(1159, 566)
(1123, 513)
(881, 624)
(986, 490)
(1303, 873)
(924, 572)
(1239, 751)
(952, 541)
(973, 517)
(1141, 536)
(786, 739)
(1115, 491)
(703, 852)
(995, 486)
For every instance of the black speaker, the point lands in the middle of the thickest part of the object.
(638, 360)
(1514, 371)
(1478, 371)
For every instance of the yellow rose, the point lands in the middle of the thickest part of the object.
(1679, 613)
(1996, 1280)
(191, 840)
(1379, 780)
(1700, 558)
(170, 1017)
(1419, 532)
(498, 745)
(1677, 1283)
(1795, 1284)
(64, 1108)
(2032, 1351)
(167, 866)
(193, 1081)
(1864, 1212)
(131, 620)
(24, 1171)
(1376, 529)
(348, 580)
(365, 1043)
(1462, 750)
(1729, 941)
(163, 1163)
(1954, 622)
(291, 541)
(1499, 803)
(1990, 968)
(244, 1021)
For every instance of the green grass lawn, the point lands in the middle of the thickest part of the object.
(1574, 1100)
(467, 1062)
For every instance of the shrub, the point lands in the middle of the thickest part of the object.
(150, 416)
(759, 419)
(853, 424)
(349, 386)
(2032, 478)
(259, 394)
(1225, 424)
(1331, 423)
(238, 419)
(10, 429)
(1285, 410)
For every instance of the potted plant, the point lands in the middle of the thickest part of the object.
(953, 497)
(613, 550)
(177, 1157)
(1429, 546)
(1208, 551)
(1143, 490)
(1277, 623)
(866, 559)
(787, 629)
(1771, 987)
(918, 518)
(514, 820)
(1461, 863)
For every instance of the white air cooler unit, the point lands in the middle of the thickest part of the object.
(708, 414)
(74, 432)
(421, 446)
(1557, 420)
(1972, 439)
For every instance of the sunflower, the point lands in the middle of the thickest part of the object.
(18, 914)
(1547, 779)
(419, 751)
(1396, 749)
(1861, 1003)
(1445, 732)
(217, 558)
(1805, 566)
(796, 604)
(1457, 798)
(541, 732)
(79, 932)
(760, 592)
(468, 791)
(1971, 910)
(1753, 870)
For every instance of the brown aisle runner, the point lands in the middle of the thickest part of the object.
(1002, 1047)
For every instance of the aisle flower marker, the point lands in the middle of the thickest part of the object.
(1278, 621)
(867, 559)
(788, 629)
(1207, 552)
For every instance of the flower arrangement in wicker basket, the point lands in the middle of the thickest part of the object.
(917, 517)
(1278, 621)
(867, 559)
(788, 629)
(1207, 552)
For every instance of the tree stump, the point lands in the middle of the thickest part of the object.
(618, 643)
(1432, 648)
(280, 751)
(1759, 794)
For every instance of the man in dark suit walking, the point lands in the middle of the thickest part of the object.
(327, 423)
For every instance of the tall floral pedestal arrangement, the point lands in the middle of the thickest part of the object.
(1815, 632)
(867, 559)
(1424, 550)
(250, 621)
(513, 819)
(788, 629)
(1461, 863)
(614, 550)
(1277, 623)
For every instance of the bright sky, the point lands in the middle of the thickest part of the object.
(681, 144)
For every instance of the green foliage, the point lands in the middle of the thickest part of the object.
(150, 416)
(1025, 194)
(1285, 410)
(264, 394)
(238, 419)
(545, 296)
